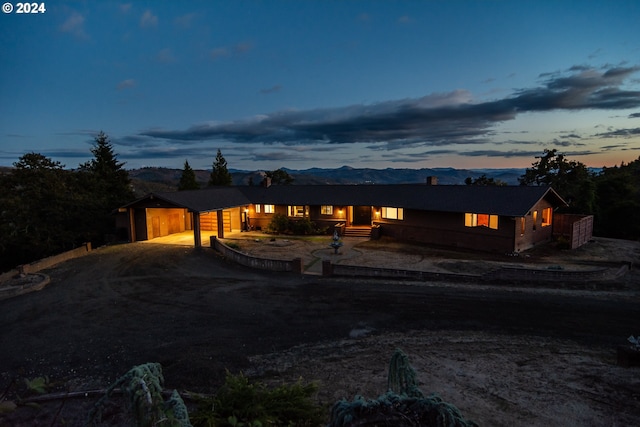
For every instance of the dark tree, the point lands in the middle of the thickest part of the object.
(188, 179)
(618, 201)
(220, 174)
(484, 180)
(108, 184)
(279, 177)
(571, 179)
(39, 210)
(107, 175)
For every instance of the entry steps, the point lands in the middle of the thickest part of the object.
(357, 231)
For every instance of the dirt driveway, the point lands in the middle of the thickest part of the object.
(504, 355)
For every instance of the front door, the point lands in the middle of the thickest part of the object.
(361, 215)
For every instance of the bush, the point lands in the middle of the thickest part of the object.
(241, 403)
(303, 226)
(279, 224)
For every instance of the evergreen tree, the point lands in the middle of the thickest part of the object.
(109, 187)
(279, 177)
(571, 179)
(220, 174)
(618, 201)
(107, 175)
(40, 210)
(188, 179)
(485, 181)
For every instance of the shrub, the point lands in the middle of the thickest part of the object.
(303, 226)
(279, 224)
(241, 403)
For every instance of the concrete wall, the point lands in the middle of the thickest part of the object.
(503, 274)
(45, 263)
(294, 265)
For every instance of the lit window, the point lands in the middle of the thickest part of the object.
(268, 209)
(393, 213)
(481, 220)
(257, 208)
(326, 210)
(535, 219)
(546, 217)
(296, 210)
(523, 222)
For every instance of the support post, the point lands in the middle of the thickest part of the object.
(220, 222)
(197, 238)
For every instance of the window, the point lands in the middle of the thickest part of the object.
(268, 208)
(297, 210)
(481, 220)
(523, 222)
(535, 219)
(257, 209)
(326, 210)
(546, 217)
(393, 213)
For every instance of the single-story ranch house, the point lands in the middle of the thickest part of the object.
(486, 218)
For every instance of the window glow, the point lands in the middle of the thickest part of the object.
(268, 209)
(393, 213)
(326, 210)
(296, 210)
(481, 220)
(257, 208)
(546, 217)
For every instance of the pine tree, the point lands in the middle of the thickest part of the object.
(108, 184)
(107, 175)
(188, 179)
(220, 174)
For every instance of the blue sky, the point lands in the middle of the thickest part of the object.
(300, 84)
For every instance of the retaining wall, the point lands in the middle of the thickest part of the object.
(294, 265)
(45, 263)
(513, 274)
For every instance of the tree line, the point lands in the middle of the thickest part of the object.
(46, 209)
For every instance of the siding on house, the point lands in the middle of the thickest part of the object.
(431, 214)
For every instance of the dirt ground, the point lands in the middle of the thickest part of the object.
(504, 355)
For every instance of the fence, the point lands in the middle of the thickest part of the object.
(577, 229)
(294, 265)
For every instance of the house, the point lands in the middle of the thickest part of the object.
(486, 218)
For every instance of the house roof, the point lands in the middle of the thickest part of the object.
(500, 200)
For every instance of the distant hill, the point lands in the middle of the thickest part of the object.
(152, 179)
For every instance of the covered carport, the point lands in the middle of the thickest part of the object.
(158, 215)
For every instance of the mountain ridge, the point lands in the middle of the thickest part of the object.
(150, 179)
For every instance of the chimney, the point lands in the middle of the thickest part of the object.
(266, 182)
(432, 180)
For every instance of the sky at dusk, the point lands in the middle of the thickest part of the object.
(300, 84)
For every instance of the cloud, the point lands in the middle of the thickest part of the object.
(165, 56)
(634, 115)
(237, 49)
(431, 120)
(74, 25)
(125, 84)
(218, 52)
(184, 21)
(125, 7)
(272, 89)
(148, 20)
(620, 133)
